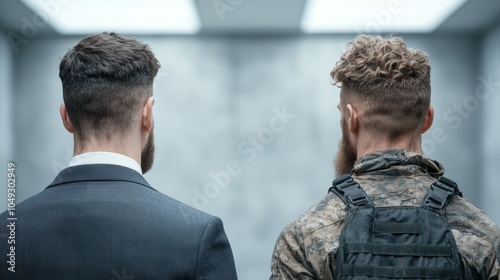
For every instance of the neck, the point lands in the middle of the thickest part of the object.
(371, 143)
(123, 146)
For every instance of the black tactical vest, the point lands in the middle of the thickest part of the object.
(403, 242)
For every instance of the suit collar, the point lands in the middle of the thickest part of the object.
(98, 172)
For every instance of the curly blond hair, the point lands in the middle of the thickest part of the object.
(388, 81)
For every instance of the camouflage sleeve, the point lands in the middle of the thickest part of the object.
(289, 261)
(495, 272)
(478, 257)
(477, 238)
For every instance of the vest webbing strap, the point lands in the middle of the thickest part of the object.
(398, 273)
(398, 249)
(397, 228)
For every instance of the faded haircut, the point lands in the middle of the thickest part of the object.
(389, 82)
(106, 78)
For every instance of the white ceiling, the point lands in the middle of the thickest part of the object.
(263, 17)
(368, 16)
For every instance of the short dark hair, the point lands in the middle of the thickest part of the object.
(105, 79)
(389, 81)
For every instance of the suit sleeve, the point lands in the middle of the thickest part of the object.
(215, 258)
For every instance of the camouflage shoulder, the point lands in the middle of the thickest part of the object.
(463, 214)
(327, 212)
(466, 218)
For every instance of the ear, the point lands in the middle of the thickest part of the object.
(147, 115)
(353, 120)
(429, 118)
(65, 118)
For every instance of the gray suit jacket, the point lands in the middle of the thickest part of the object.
(105, 221)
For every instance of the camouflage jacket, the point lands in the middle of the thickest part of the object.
(390, 178)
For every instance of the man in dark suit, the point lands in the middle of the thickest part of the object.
(99, 218)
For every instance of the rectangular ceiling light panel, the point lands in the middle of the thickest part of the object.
(123, 16)
(376, 16)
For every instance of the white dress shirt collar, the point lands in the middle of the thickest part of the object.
(105, 158)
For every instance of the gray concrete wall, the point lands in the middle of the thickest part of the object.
(490, 142)
(6, 113)
(214, 96)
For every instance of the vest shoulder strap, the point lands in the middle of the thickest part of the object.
(440, 194)
(349, 191)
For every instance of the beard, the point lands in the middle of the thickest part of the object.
(346, 156)
(148, 154)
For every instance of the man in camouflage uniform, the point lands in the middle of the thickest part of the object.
(385, 107)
